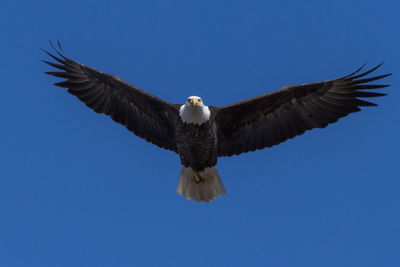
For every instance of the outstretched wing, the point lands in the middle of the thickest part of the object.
(142, 113)
(274, 117)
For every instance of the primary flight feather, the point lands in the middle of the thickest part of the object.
(199, 133)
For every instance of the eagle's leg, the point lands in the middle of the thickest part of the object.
(196, 177)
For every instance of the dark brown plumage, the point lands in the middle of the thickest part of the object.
(201, 150)
(142, 113)
(274, 117)
(201, 134)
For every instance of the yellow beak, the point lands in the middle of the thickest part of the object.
(196, 102)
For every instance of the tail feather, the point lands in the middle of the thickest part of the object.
(208, 189)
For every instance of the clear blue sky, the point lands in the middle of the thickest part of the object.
(77, 189)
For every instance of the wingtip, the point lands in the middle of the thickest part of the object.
(51, 73)
(60, 50)
(59, 45)
(352, 76)
(356, 71)
(51, 43)
(360, 68)
(377, 66)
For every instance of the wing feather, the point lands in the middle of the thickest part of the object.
(274, 117)
(141, 112)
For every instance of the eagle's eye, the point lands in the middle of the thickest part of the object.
(199, 100)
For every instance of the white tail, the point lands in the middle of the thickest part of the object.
(206, 189)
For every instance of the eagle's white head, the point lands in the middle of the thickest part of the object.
(194, 111)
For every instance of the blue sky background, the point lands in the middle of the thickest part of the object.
(77, 189)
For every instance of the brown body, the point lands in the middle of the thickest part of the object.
(197, 144)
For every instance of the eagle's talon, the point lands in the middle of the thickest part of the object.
(197, 179)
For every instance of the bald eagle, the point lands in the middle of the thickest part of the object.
(200, 134)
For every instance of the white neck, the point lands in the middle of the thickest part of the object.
(193, 114)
